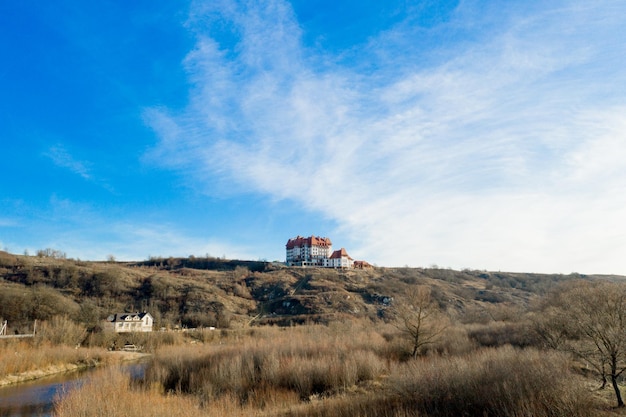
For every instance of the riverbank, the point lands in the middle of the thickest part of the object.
(34, 374)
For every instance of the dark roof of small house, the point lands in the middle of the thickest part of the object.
(113, 318)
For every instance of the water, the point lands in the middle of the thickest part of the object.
(36, 398)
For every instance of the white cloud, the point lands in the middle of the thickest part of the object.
(62, 158)
(505, 155)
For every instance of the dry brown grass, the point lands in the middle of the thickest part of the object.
(501, 382)
(309, 360)
(20, 356)
(109, 393)
(493, 382)
(353, 406)
(338, 371)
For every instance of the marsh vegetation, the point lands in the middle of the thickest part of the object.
(255, 339)
(344, 369)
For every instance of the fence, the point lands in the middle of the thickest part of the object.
(3, 332)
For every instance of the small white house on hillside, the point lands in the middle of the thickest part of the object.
(129, 322)
(339, 259)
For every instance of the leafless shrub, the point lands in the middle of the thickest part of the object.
(454, 341)
(493, 382)
(520, 334)
(60, 330)
(311, 360)
(588, 319)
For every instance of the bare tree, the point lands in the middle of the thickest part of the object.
(593, 317)
(550, 324)
(419, 318)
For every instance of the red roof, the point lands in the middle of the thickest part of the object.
(341, 253)
(300, 241)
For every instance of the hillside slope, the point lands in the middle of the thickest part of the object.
(202, 292)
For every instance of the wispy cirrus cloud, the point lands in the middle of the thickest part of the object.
(503, 151)
(63, 159)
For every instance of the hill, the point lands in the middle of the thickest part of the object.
(203, 292)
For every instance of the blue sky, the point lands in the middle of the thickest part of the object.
(466, 134)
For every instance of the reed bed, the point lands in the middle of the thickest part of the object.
(306, 361)
(493, 382)
(503, 382)
(334, 371)
(17, 357)
(354, 406)
(109, 393)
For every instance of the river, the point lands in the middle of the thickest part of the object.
(36, 398)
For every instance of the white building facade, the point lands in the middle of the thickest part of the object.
(308, 251)
(316, 251)
(129, 322)
(339, 259)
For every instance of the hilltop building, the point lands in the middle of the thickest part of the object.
(316, 251)
(308, 251)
